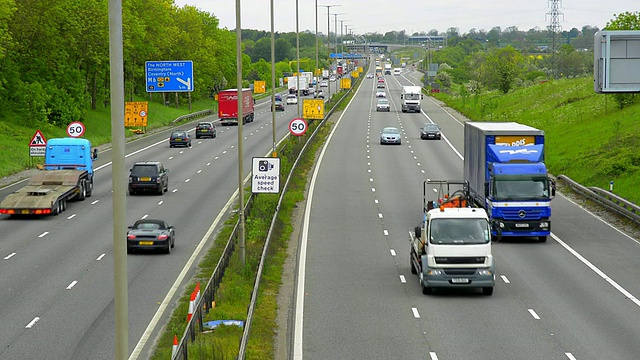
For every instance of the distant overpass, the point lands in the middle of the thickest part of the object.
(378, 47)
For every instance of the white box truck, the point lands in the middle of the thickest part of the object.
(410, 98)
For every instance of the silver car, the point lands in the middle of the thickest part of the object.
(390, 135)
(383, 105)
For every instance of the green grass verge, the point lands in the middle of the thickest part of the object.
(587, 137)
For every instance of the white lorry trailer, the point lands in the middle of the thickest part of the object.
(451, 248)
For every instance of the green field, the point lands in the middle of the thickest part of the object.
(588, 138)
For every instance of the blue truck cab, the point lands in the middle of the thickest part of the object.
(504, 164)
(71, 154)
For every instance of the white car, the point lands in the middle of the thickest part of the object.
(333, 78)
(381, 94)
(383, 105)
(292, 99)
(324, 84)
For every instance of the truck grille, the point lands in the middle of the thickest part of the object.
(460, 260)
(455, 272)
(530, 214)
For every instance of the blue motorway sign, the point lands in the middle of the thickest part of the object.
(169, 76)
(345, 56)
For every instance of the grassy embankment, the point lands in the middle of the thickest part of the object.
(588, 138)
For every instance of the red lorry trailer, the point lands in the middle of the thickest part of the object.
(228, 106)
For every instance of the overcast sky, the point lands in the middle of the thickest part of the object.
(380, 16)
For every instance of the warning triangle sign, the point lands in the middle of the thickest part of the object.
(38, 139)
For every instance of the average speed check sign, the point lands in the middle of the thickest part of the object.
(75, 129)
(298, 126)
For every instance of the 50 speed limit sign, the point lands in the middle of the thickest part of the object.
(298, 126)
(75, 129)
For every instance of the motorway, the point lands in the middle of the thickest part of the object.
(574, 297)
(56, 272)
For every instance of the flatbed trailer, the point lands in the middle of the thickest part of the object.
(48, 192)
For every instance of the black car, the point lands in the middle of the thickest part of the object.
(430, 131)
(180, 138)
(278, 105)
(148, 176)
(151, 234)
(205, 129)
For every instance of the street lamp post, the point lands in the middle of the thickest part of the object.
(335, 27)
(298, 57)
(273, 83)
(317, 67)
(329, 42)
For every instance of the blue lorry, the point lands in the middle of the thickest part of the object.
(67, 174)
(504, 165)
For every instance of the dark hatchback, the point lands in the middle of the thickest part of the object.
(430, 131)
(205, 129)
(180, 138)
(148, 176)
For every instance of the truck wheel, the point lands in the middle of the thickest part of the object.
(542, 239)
(426, 290)
(89, 188)
(58, 208)
(83, 191)
(488, 291)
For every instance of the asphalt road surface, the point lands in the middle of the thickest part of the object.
(573, 297)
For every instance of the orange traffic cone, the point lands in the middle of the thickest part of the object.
(191, 306)
(197, 291)
(175, 346)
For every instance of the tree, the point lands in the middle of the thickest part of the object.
(502, 68)
(625, 21)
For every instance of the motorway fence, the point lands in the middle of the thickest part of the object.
(205, 302)
(193, 116)
(606, 199)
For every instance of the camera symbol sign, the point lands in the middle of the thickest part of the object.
(265, 177)
(298, 126)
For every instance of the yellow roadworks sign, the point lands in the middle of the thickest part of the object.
(345, 83)
(313, 109)
(259, 87)
(136, 113)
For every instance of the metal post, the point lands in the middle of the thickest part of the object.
(317, 68)
(240, 126)
(298, 56)
(273, 83)
(118, 182)
(329, 44)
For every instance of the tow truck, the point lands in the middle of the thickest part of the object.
(66, 175)
(451, 248)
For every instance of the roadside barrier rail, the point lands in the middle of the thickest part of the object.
(606, 199)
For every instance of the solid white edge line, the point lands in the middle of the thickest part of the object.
(599, 272)
(299, 312)
(174, 288)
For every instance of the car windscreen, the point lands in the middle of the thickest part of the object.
(144, 170)
(459, 231)
(383, 102)
(147, 226)
(178, 134)
(204, 126)
(390, 131)
(431, 127)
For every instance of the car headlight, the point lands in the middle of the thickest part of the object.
(435, 272)
(501, 224)
(544, 224)
(484, 272)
